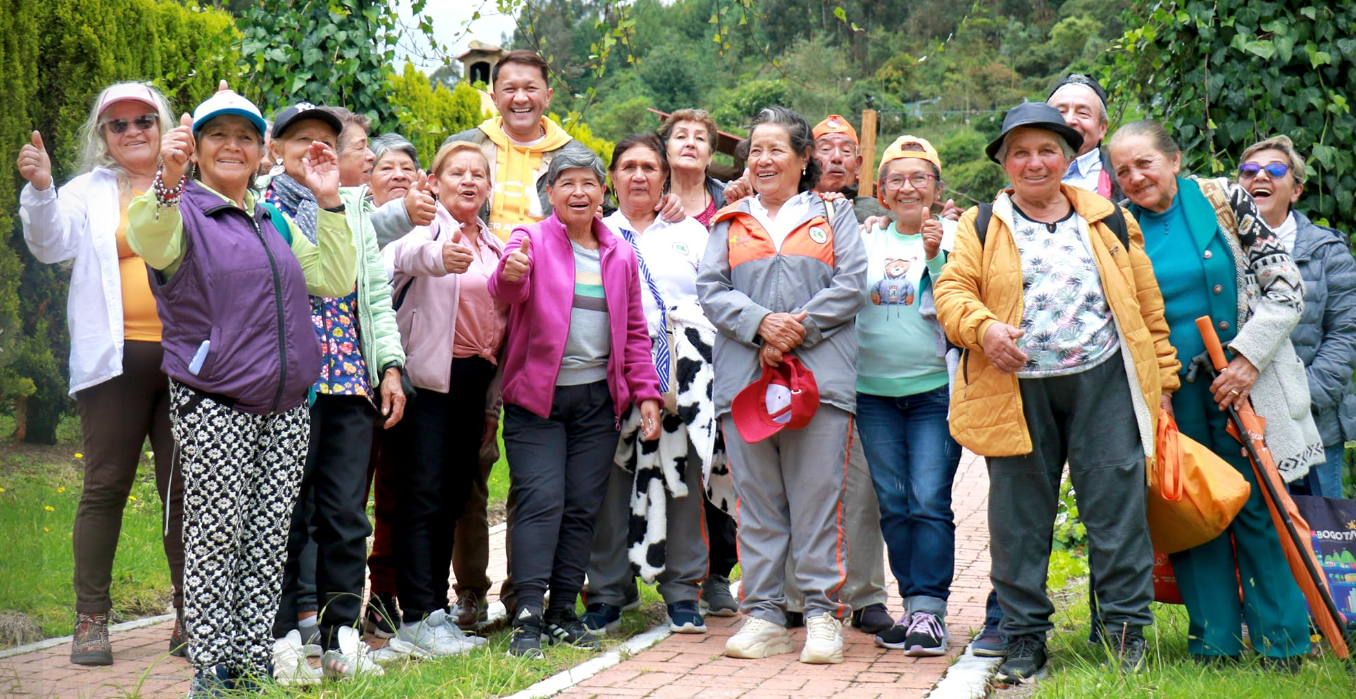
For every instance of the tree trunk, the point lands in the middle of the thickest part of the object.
(20, 419)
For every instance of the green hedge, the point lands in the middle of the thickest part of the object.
(55, 58)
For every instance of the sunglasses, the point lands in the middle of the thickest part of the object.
(1247, 171)
(143, 122)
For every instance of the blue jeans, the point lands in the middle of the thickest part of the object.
(913, 462)
(1323, 479)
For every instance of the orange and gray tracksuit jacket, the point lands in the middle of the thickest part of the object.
(820, 269)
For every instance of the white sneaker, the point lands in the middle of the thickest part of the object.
(823, 640)
(437, 636)
(759, 639)
(351, 659)
(290, 668)
(397, 651)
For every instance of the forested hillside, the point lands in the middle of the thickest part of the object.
(942, 70)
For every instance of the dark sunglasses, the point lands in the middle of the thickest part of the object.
(143, 122)
(1247, 171)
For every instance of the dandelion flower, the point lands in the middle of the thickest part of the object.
(2, 490)
(78, 455)
(62, 489)
(132, 498)
(46, 529)
(49, 508)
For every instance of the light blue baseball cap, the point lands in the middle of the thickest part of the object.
(228, 102)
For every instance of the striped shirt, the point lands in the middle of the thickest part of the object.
(590, 339)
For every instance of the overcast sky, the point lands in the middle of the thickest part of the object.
(450, 18)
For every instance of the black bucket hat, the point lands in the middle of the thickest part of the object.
(302, 111)
(1036, 115)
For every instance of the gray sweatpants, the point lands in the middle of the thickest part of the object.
(866, 546)
(1087, 419)
(610, 575)
(790, 504)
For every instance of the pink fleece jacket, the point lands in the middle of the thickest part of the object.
(539, 318)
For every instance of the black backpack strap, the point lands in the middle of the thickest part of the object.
(1116, 222)
(982, 222)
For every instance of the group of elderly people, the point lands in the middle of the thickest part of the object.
(294, 331)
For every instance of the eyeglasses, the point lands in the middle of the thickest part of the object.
(143, 123)
(919, 180)
(1247, 171)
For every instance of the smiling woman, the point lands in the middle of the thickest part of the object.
(225, 266)
(576, 358)
(1061, 324)
(119, 388)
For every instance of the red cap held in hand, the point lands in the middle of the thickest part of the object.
(785, 397)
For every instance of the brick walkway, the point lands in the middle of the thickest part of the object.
(681, 666)
(687, 666)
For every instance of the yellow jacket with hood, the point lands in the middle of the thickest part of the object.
(982, 285)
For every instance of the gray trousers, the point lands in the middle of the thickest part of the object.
(610, 575)
(1087, 419)
(866, 546)
(790, 505)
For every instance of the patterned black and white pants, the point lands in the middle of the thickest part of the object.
(241, 476)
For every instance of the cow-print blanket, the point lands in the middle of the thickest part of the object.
(660, 467)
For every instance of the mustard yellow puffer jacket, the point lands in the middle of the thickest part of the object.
(983, 285)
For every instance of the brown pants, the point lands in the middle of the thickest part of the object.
(116, 417)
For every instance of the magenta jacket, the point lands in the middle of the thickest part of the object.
(539, 318)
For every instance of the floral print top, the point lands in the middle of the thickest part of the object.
(1067, 323)
(343, 371)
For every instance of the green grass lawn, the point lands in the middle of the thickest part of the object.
(39, 490)
(1076, 667)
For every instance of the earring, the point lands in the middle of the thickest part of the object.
(803, 169)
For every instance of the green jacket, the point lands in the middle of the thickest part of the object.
(376, 320)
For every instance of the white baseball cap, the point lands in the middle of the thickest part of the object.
(227, 102)
(125, 92)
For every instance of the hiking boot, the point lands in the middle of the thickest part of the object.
(925, 636)
(823, 640)
(290, 667)
(471, 610)
(602, 619)
(758, 638)
(1130, 650)
(526, 639)
(716, 599)
(872, 619)
(350, 659)
(437, 636)
(563, 626)
(381, 615)
(1025, 661)
(90, 644)
(685, 617)
(990, 643)
(178, 643)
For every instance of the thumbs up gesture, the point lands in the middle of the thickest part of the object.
(516, 266)
(456, 256)
(176, 147)
(419, 202)
(34, 163)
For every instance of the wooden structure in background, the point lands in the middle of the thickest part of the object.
(866, 177)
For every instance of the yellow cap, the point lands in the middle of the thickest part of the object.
(907, 146)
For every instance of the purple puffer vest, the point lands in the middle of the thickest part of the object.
(236, 315)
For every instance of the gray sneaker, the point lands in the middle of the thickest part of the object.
(716, 599)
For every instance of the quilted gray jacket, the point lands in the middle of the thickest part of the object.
(1325, 338)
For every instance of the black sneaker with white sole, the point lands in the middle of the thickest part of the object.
(526, 639)
(563, 626)
(926, 635)
(1025, 661)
